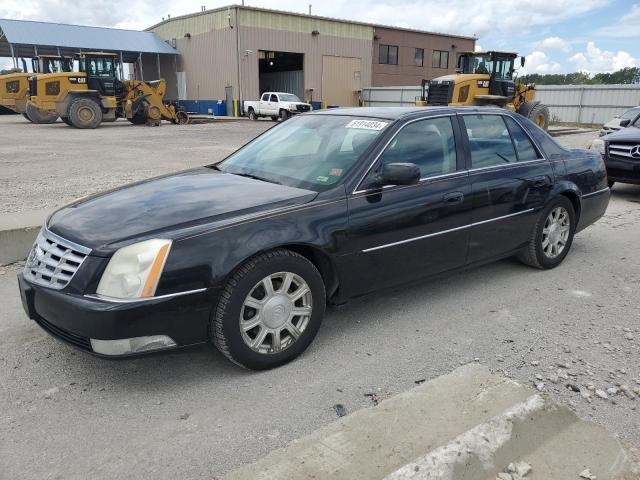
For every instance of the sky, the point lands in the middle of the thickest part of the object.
(557, 36)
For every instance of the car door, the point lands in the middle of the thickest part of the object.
(403, 233)
(264, 104)
(510, 182)
(273, 105)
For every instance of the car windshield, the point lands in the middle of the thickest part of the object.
(630, 114)
(310, 151)
(288, 97)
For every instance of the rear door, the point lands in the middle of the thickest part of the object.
(403, 233)
(510, 182)
(273, 104)
(263, 105)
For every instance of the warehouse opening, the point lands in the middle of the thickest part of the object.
(281, 72)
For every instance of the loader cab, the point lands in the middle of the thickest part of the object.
(51, 64)
(102, 73)
(498, 66)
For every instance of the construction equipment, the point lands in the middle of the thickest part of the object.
(486, 78)
(14, 87)
(95, 94)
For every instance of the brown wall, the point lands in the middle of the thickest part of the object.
(406, 72)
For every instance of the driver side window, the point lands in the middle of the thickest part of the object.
(430, 144)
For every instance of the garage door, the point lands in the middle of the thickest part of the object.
(341, 80)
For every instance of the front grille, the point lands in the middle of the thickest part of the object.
(33, 86)
(81, 342)
(440, 93)
(53, 261)
(303, 108)
(625, 150)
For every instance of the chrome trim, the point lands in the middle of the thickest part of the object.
(597, 192)
(64, 241)
(505, 166)
(391, 140)
(104, 298)
(408, 240)
(422, 181)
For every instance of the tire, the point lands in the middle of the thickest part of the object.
(611, 183)
(252, 114)
(246, 285)
(275, 118)
(535, 253)
(26, 116)
(85, 113)
(67, 121)
(284, 115)
(40, 116)
(537, 113)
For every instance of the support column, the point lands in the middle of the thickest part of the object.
(121, 66)
(141, 69)
(13, 56)
(158, 64)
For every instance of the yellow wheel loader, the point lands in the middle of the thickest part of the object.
(486, 78)
(94, 95)
(14, 87)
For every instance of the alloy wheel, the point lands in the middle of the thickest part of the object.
(276, 312)
(555, 233)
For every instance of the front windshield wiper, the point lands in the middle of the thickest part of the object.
(255, 177)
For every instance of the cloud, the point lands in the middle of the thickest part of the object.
(594, 60)
(627, 26)
(539, 62)
(554, 43)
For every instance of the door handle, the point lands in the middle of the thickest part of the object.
(540, 181)
(453, 198)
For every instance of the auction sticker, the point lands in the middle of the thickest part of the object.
(367, 124)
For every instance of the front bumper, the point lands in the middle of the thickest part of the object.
(76, 319)
(623, 171)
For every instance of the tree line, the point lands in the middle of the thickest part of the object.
(628, 75)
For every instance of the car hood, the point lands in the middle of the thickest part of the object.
(167, 205)
(628, 134)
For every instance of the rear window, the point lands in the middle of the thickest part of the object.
(543, 139)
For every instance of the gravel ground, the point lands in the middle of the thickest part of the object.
(67, 415)
(48, 166)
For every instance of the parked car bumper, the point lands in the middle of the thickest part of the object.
(623, 171)
(79, 319)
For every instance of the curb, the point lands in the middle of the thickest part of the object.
(17, 233)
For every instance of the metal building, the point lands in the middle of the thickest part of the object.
(237, 52)
(150, 58)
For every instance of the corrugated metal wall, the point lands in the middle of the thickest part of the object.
(390, 96)
(590, 104)
(290, 82)
(195, 24)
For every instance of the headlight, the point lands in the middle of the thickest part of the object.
(292, 106)
(597, 144)
(134, 271)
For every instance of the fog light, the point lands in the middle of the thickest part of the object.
(127, 346)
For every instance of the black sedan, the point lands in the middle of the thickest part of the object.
(325, 207)
(621, 152)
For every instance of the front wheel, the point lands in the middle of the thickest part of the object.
(285, 115)
(552, 236)
(270, 310)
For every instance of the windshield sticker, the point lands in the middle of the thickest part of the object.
(322, 178)
(335, 172)
(367, 124)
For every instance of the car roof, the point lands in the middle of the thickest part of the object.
(395, 113)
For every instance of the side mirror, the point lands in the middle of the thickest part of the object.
(625, 123)
(398, 174)
(522, 60)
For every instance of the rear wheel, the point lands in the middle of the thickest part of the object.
(552, 236)
(252, 114)
(537, 113)
(85, 113)
(269, 311)
(40, 116)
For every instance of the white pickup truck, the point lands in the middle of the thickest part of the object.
(277, 105)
